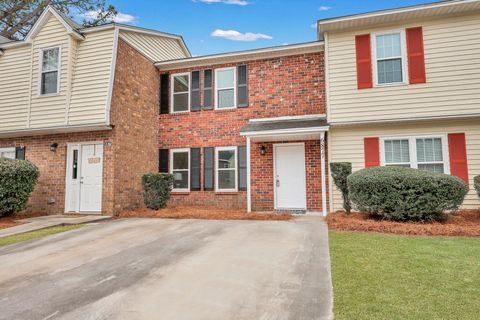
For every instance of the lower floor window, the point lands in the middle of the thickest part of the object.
(180, 169)
(226, 168)
(7, 153)
(424, 153)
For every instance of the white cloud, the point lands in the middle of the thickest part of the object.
(234, 2)
(238, 36)
(120, 17)
(313, 25)
(324, 8)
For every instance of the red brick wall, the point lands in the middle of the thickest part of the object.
(286, 86)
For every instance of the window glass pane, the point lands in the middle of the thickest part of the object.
(429, 150)
(180, 160)
(180, 83)
(7, 154)
(390, 71)
(225, 78)
(397, 151)
(50, 60)
(49, 82)
(226, 179)
(226, 98)
(180, 102)
(180, 179)
(388, 45)
(226, 159)
(432, 167)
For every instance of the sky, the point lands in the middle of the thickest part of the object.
(216, 26)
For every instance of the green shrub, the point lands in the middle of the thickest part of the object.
(397, 193)
(476, 182)
(340, 171)
(17, 180)
(156, 189)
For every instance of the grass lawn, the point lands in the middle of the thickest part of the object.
(377, 276)
(37, 234)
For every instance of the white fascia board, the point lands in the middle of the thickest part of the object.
(303, 117)
(285, 131)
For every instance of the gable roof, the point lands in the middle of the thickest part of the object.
(421, 11)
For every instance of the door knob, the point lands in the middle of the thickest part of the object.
(278, 183)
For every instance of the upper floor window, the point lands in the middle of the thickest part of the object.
(50, 66)
(180, 92)
(225, 88)
(390, 61)
(7, 153)
(424, 153)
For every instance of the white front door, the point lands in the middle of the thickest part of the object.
(289, 177)
(84, 177)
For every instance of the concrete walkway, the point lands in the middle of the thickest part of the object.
(38, 223)
(140, 269)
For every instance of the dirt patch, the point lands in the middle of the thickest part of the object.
(7, 222)
(205, 213)
(461, 223)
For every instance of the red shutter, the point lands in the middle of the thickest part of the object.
(416, 57)
(372, 152)
(364, 61)
(458, 156)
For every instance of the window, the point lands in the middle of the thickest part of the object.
(180, 92)
(225, 92)
(226, 169)
(424, 153)
(7, 153)
(180, 169)
(50, 65)
(390, 58)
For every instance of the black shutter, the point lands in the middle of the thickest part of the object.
(195, 169)
(164, 86)
(163, 161)
(195, 92)
(20, 153)
(242, 168)
(208, 168)
(242, 86)
(208, 89)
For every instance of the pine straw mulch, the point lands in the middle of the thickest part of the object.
(180, 212)
(7, 222)
(461, 223)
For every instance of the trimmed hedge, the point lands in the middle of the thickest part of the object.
(397, 193)
(476, 182)
(17, 181)
(339, 172)
(156, 189)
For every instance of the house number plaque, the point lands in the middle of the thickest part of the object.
(94, 160)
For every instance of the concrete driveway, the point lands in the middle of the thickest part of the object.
(171, 269)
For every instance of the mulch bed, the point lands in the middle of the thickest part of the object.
(7, 222)
(205, 213)
(461, 223)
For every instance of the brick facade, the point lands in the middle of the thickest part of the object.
(285, 86)
(133, 152)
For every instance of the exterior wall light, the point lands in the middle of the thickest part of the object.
(263, 150)
(53, 147)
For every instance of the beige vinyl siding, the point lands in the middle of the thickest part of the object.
(452, 59)
(49, 110)
(154, 47)
(346, 144)
(91, 78)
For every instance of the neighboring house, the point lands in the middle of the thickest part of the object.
(82, 104)
(403, 88)
(246, 129)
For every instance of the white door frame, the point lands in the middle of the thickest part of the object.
(275, 145)
(68, 173)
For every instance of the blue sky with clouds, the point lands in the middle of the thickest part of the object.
(213, 26)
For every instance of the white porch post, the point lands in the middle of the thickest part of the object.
(249, 192)
(324, 179)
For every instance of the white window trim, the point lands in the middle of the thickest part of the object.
(5, 150)
(40, 69)
(234, 88)
(217, 169)
(412, 145)
(172, 151)
(172, 78)
(403, 47)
